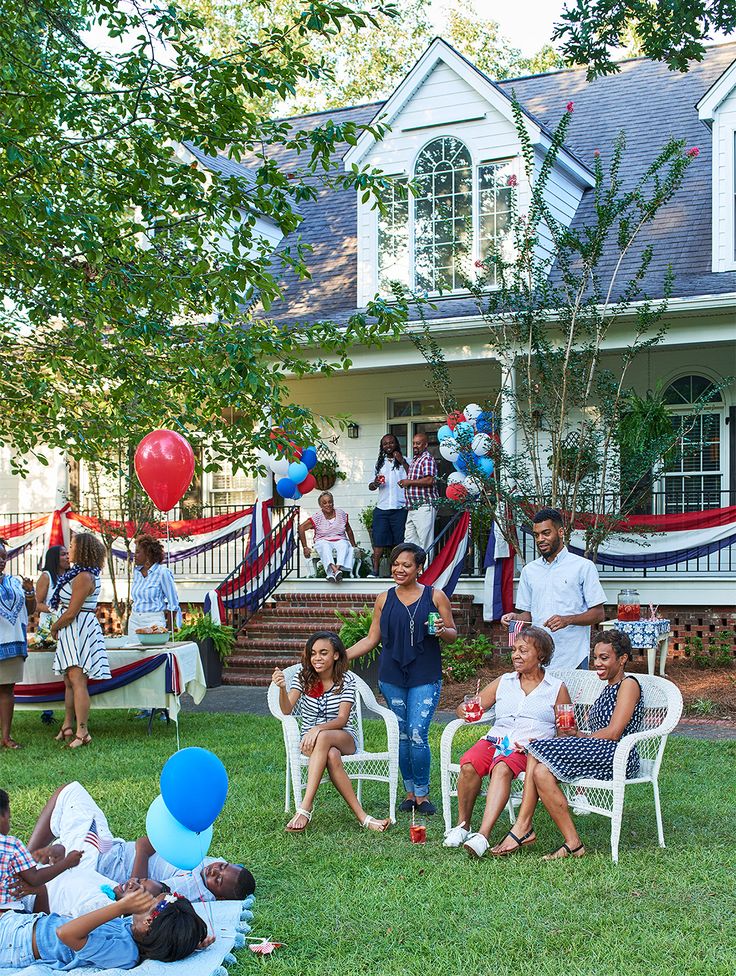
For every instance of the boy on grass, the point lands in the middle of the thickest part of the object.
(16, 862)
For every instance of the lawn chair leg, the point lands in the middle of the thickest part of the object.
(287, 799)
(359, 791)
(617, 815)
(658, 813)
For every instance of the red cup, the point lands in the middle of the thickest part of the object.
(565, 716)
(473, 708)
(418, 833)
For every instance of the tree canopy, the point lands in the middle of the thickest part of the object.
(670, 31)
(128, 266)
(367, 63)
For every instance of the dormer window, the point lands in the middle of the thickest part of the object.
(458, 213)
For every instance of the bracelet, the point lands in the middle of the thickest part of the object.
(29, 593)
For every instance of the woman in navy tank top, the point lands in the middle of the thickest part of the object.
(410, 665)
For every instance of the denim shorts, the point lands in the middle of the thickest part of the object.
(16, 940)
(388, 526)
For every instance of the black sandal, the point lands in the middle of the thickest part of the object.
(571, 852)
(529, 838)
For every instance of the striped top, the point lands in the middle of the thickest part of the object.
(326, 708)
(329, 530)
(156, 591)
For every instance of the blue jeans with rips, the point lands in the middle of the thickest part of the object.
(414, 708)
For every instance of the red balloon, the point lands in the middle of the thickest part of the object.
(456, 492)
(455, 418)
(164, 463)
(309, 484)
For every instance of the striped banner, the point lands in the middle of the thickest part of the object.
(445, 569)
(53, 691)
(498, 582)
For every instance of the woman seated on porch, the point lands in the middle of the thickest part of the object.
(333, 538)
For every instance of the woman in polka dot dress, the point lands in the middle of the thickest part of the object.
(574, 755)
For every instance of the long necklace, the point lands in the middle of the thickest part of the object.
(412, 616)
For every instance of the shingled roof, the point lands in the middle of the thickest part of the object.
(645, 100)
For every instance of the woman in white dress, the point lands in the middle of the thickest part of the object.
(54, 565)
(17, 600)
(80, 652)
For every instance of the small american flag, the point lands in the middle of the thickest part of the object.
(514, 629)
(103, 844)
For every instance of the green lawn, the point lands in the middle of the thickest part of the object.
(347, 901)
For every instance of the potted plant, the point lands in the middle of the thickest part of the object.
(327, 470)
(355, 625)
(215, 642)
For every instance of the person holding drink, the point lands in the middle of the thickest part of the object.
(525, 701)
(574, 755)
(389, 515)
(410, 665)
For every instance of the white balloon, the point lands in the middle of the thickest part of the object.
(482, 445)
(279, 466)
(456, 478)
(473, 485)
(450, 449)
(473, 411)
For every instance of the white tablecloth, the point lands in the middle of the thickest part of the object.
(148, 691)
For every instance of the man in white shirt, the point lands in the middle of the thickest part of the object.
(560, 592)
(389, 515)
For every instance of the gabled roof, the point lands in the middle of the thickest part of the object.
(718, 91)
(222, 165)
(439, 51)
(645, 100)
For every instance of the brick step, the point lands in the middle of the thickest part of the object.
(269, 628)
(240, 662)
(246, 680)
(288, 611)
(268, 646)
(308, 599)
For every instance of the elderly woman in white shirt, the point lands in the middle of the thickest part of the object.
(155, 600)
(525, 701)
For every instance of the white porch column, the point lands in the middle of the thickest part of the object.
(508, 407)
(264, 482)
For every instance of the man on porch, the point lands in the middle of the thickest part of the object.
(420, 491)
(560, 592)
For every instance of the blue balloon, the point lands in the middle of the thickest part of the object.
(298, 472)
(463, 462)
(183, 848)
(485, 466)
(485, 424)
(285, 487)
(194, 787)
(297, 495)
(464, 432)
(309, 457)
(444, 432)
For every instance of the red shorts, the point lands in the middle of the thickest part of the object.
(483, 757)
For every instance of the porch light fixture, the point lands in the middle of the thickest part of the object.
(353, 431)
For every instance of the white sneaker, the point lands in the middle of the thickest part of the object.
(456, 837)
(580, 805)
(476, 845)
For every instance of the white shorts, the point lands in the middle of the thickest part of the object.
(80, 824)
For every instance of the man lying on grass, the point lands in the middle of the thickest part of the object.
(72, 816)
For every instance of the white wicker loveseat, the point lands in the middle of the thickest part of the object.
(662, 711)
(382, 767)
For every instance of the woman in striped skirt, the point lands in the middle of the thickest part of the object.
(80, 651)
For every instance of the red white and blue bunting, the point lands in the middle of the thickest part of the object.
(445, 569)
(53, 691)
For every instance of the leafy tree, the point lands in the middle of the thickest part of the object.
(367, 63)
(670, 31)
(128, 267)
(583, 440)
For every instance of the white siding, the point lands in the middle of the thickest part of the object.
(37, 492)
(562, 196)
(724, 126)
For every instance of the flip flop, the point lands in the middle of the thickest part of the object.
(372, 820)
(529, 838)
(300, 811)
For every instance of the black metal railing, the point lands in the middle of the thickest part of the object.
(262, 570)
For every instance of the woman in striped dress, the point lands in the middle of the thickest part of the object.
(80, 652)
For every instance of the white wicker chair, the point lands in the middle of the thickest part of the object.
(381, 767)
(662, 711)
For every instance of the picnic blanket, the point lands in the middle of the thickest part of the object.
(230, 921)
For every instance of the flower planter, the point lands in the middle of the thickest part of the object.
(211, 663)
(326, 481)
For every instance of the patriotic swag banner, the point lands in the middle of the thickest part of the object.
(53, 691)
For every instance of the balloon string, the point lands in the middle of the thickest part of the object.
(208, 906)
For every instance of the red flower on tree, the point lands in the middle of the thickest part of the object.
(693, 152)
(512, 180)
(570, 107)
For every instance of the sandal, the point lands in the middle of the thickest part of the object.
(527, 840)
(300, 812)
(64, 734)
(569, 852)
(82, 740)
(11, 744)
(380, 825)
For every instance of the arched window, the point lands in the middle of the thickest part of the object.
(693, 476)
(443, 215)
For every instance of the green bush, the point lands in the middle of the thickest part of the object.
(462, 659)
(201, 626)
(719, 653)
(355, 626)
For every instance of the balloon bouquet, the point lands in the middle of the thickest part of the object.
(292, 467)
(193, 792)
(467, 440)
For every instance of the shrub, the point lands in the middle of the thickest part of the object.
(200, 627)
(718, 654)
(462, 659)
(355, 626)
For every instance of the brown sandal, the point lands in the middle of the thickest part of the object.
(11, 744)
(64, 734)
(83, 740)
